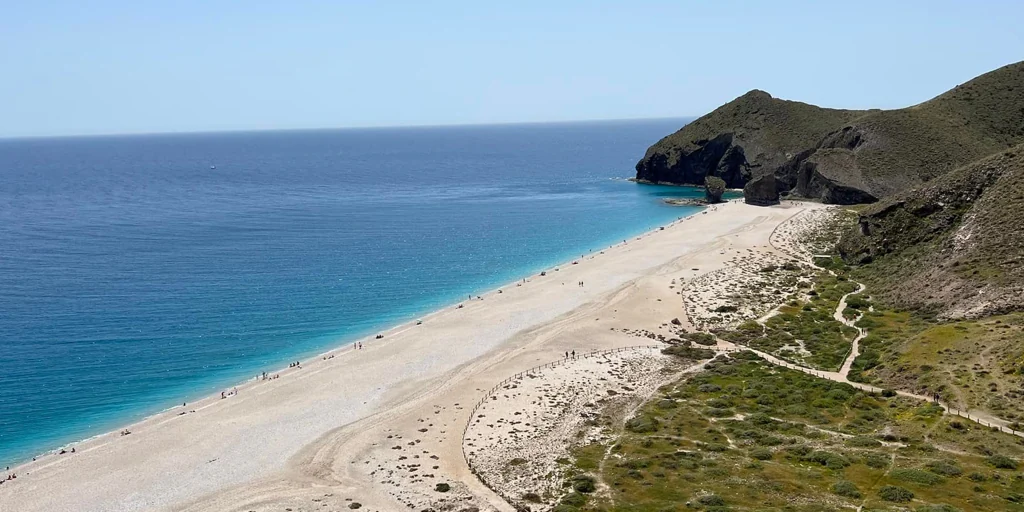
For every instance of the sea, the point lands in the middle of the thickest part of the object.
(138, 272)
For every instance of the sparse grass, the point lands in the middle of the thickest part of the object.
(972, 364)
(805, 333)
(784, 447)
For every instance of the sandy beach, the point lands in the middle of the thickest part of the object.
(381, 426)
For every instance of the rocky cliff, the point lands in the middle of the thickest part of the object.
(843, 156)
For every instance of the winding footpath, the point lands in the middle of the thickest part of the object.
(844, 370)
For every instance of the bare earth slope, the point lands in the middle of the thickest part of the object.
(953, 245)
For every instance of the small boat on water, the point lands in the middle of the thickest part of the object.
(213, 167)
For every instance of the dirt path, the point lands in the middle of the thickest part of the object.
(842, 375)
(844, 370)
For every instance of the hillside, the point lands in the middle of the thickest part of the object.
(844, 156)
(746, 137)
(951, 246)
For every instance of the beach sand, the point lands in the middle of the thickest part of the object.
(382, 426)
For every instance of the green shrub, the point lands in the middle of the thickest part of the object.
(888, 393)
(1001, 462)
(895, 494)
(532, 497)
(702, 338)
(877, 460)
(828, 459)
(915, 476)
(689, 352)
(944, 468)
(761, 454)
(715, 447)
(846, 488)
(800, 450)
(442, 487)
(574, 499)
(642, 424)
(583, 484)
(711, 500)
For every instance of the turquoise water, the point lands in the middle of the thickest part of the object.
(139, 272)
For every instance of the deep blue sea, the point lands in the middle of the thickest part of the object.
(134, 275)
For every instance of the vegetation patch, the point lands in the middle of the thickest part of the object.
(791, 441)
(804, 331)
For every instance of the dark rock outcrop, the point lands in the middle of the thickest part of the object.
(761, 191)
(717, 157)
(714, 188)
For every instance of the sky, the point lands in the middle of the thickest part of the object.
(100, 67)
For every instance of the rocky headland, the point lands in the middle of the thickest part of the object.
(841, 156)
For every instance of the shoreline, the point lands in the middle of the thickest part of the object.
(261, 447)
(335, 345)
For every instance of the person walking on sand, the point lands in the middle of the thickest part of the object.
(567, 354)
(574, 355)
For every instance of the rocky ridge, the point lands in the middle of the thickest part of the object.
(842, 156)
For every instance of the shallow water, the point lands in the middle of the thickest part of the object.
(138, 272)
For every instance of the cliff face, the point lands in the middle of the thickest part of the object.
(717, 157)
(843, 156)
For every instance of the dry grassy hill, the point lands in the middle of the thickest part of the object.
(844, 156)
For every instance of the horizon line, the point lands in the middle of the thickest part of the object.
(337, 128)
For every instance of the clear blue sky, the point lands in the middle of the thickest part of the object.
(148, 66)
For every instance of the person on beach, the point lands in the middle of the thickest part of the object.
(567, 354)
(574, 354)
